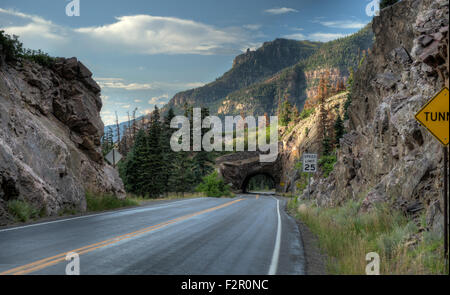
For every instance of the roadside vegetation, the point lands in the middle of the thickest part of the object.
(102, 202)
(23, 211)
(346, 235)
(212, 185)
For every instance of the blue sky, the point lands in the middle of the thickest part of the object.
(144, 52)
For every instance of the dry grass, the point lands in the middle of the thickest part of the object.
(347, 235)
(170, 196)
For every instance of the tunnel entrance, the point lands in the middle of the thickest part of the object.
(260, 182)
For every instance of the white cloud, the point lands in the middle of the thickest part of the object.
(134, 34)
(119, 83)
(127, 106)
(252, 27)
(324, 37)
(137, 100)
(346, 24)
(280, 10)
(104, 97)
(297, 29)
(297, 36)
(162, 99)
(147, 34)
(38, 32)
(129, 86)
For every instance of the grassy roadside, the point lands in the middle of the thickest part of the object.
(23, 211)
(346, 235)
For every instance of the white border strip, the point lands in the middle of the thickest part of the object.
(140, 208)
(276, 250)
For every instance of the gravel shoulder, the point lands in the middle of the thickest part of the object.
(315, 259)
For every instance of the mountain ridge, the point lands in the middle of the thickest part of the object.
(258, 83)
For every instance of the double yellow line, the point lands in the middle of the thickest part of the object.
(43, 263)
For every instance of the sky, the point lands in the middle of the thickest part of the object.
(143, 52)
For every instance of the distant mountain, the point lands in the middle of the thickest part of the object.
(248, 68)
(282, 69)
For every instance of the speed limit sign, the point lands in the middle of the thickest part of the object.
(310, 163)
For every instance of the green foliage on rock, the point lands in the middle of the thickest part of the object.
(386, 3)
(13, 50)
(306, 113)
(326, 163)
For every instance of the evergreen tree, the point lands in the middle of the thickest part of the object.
(201, 160)
(339, 129)
(107, 141)
(167, 153)
(154, 185)
(285, 113)
(326, 146)
(183, 178)
(136, 167)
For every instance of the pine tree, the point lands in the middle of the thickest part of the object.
(154, 185)
(339, 129)
(137, 169)
(326, 146)
(183, 178)
(285, 113)
(167, 153)
(201, 161)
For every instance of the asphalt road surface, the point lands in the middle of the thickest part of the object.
(249, 234)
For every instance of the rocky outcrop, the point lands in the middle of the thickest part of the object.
(303, 136)
(386, 156)
(50, 131)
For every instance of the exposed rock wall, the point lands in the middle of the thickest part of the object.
(387, 156)
(50, 131)
(303, 137)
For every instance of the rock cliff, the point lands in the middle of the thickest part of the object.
(386, 156)
(50, 131)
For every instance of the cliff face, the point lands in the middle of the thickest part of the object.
(303, 136)
(387, 156)
(50, 131)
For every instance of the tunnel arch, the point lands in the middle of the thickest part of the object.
(238, 168)
(245, 183)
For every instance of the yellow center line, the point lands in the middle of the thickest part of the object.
(37, 265)
(257, 197)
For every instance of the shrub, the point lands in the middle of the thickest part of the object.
(213, 186)
(386, 3)
(11, 46)
(13, 50)
(107, 202)
(22, 210)
(306, 113)
(327, 164)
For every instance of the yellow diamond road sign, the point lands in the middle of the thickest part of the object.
(434, 116)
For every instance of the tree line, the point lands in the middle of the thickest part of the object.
(150, 168)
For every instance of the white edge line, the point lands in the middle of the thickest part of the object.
(98, 214)
(276, 250)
